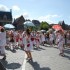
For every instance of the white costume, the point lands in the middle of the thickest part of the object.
(68, 38)
(42, 37)
(2, 42)
(51, 37)
(37, 40)
(60, 41)
(23, 38)
(26, 48)
(20, 39)
(33, 38)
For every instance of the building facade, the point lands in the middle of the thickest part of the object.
(5, 17)
(18, 23)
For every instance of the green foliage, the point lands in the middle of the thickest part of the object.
(44, 25)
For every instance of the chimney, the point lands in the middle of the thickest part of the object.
(11, 10)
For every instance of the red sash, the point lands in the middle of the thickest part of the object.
(32, 39)
(28, 45)
(20, 39)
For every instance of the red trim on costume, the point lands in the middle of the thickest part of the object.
(28, 45)
(32, 39)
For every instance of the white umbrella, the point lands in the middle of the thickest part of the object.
(28, 23)
(43, 30)
(9, 26)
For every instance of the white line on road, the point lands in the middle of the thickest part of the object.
(24, 62)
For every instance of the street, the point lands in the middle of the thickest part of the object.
(44, 58)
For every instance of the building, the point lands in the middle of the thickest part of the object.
(36, 23)
(5, 17)
(18, 23)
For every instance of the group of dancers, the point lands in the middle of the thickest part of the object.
(28, 40)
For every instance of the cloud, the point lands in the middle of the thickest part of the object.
(48, 18)
(16, 16)
(15, 8)
(3, 8)
(25, 15)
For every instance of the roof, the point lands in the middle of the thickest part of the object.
(36, 22)
(19, 21)
(5, 15)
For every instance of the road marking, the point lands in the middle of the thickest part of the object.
(24, 62)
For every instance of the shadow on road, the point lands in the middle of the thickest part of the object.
(2, 66)
(39, 49)
(49, 46)
(67, 51)
(66, 56)
(13, 51)
(11, 65)
(36, 66)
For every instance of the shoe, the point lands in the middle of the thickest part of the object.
(27, 58)
(30, 59)
(61, 54)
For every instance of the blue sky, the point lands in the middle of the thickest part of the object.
(51, 11)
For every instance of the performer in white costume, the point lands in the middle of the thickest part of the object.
(60, 42)
(28, 45)
(68, 38)
(42, 38)
(37, 39)
(23, 38)
(2, 43)
(51, 38)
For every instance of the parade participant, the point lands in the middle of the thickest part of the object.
(15, 33)
(68, 38)
(37, 39)
(28, 45)
(20, 38)
(47, 37)
(23, 38)
(51, 38)
(12, 41)
(60, 42)
(43, 38)
(2, 43)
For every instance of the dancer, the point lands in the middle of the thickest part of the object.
(60, 42)
(2, 43)
(28, 45)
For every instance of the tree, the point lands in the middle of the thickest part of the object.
(44, 25)
(64, 26)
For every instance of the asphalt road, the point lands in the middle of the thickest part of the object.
(44, 58)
